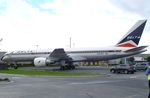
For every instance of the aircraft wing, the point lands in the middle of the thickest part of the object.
(76, 58)
(136, 49)
(60, 54)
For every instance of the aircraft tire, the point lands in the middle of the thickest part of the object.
(113, 71)
(126, 71)
(15, 67)
(73, 67)
(62, 67)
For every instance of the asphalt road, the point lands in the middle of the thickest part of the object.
(112, 86)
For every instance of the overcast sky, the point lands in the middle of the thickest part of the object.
(50, 23)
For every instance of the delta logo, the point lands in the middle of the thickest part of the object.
(133, 37)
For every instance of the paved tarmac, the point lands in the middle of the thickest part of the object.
(112, 86)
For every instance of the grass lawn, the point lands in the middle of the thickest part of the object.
(49, 73)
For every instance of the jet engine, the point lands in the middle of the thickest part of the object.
(40, 61)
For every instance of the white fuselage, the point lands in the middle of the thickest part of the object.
(77, 54)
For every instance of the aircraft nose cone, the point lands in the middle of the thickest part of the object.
(5, 58)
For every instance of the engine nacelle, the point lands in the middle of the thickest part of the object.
(40, 61)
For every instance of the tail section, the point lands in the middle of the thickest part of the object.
(132, 38)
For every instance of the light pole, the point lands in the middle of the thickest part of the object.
(37, 47)
(1, 39)
(70, 43)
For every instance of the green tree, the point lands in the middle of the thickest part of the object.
(131, 60)
(148, 59)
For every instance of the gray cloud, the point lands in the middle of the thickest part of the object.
(140, 7)
(137, 6)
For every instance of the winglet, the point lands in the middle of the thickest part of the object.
(132, 38)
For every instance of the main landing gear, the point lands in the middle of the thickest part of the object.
(15, 66)
(67, 67)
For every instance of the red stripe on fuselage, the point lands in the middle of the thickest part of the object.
(126, 45)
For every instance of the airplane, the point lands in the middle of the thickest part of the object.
(65, 58)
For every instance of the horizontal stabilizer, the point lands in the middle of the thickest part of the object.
(136, 49)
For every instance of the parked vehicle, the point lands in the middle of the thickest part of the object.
(140, 66)
(123, 68)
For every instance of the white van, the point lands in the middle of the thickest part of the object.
(141, 66)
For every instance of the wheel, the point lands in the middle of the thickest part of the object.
(62, 67)
(73, 67)
(132, 72)
(113, 71)
(118, 71)
(126, 71)
(15, 67)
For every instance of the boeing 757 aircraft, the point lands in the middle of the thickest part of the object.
(127, 46)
